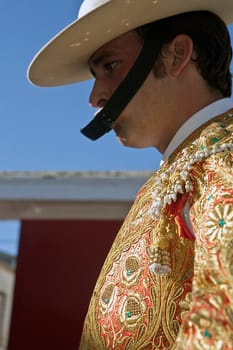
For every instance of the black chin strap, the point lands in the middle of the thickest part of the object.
(103, 120)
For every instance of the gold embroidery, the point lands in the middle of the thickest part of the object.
(209, 322)
(132, 310)
(131, 270)
(148, 308)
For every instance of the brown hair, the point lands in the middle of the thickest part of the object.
(211, 42)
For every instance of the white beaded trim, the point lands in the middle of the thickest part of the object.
(182, 182)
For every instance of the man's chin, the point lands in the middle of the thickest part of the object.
(127, 142)
(119, 136)
(122, 140)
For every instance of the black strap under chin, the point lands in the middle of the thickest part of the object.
(103, 120)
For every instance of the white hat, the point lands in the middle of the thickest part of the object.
(64, 59)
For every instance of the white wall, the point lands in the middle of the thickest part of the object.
(7, 278)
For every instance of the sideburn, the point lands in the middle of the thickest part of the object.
(159, 69)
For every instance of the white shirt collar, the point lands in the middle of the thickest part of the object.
(196, 120)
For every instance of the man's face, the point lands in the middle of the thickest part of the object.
(136, 126)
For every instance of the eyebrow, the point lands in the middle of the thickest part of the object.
(98, 60)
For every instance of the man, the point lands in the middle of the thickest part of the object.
(162, 79)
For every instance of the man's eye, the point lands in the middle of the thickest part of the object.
(110, 66)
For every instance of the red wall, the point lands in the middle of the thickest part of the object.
(57, 267)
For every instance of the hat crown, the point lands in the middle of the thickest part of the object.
(90, 5)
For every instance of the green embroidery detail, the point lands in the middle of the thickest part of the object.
(209, 197)
(215, 139)
(221, 222)
(106, 300)
(129, 314)
(202, 147)
(129, 272)
(207, 334)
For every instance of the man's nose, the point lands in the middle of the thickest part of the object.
(98, 96)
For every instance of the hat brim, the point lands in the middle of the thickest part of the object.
(64, 59)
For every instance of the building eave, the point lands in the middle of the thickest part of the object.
(68, 195)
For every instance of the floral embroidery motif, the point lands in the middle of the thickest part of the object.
(108, 297)
(132, 270)
(134, 308)
(220, 221)
(175, 179)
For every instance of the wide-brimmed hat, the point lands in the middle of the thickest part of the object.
(64, 59)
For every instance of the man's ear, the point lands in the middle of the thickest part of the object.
(181, 52)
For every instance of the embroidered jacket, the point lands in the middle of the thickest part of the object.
(159, 288)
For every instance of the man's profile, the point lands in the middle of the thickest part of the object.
(162, 79)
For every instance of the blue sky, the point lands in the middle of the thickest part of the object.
(40, 126)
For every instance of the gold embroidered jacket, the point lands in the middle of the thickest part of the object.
(159, 287)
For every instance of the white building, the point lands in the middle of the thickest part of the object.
(60, 214)
(7, 277)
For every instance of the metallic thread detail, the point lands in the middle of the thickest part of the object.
(167, 311)
(132, 310)
(131, 270)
